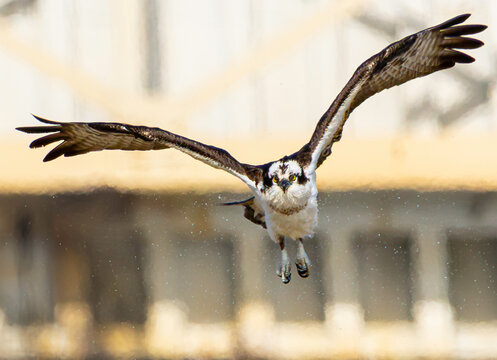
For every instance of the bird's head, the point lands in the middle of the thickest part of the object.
(284, 178)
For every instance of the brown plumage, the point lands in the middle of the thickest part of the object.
(285, 190)
(81, 138)
(414, 56)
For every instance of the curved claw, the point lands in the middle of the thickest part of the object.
(302, 268)
(302, 262)
(284, 272)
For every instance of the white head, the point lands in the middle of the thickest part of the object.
(286, 185)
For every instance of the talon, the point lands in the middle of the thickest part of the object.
(286, 279)
(284, 273)
(302, 268)
(302, 262)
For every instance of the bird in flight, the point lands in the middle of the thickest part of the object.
(284, 191)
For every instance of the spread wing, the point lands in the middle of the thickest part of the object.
(80, 138)
(417, 55)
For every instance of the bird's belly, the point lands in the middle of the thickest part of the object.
(298, 225)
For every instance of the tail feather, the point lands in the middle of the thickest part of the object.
(249, 201)
(253, 211)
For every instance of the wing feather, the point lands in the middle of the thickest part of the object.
(80, 138)
(414, 56)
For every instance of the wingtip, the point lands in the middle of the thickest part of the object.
(478, 43)
(51, 156)
(28, 129)
(43, 120)
(461, 18)
(463, 58)
(480, 28)
(454, 21)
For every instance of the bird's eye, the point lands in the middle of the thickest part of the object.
(275, 179)
(293, 177)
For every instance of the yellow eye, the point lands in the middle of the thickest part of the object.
(275, 179)
(293, 177)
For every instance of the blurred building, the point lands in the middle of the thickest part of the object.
(117, 255)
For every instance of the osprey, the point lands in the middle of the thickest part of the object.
(284, 191)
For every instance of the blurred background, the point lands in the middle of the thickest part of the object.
(128, 255)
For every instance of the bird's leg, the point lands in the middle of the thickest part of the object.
(284, 270)
(303, 263)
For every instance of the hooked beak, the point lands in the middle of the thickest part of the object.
(284, 184)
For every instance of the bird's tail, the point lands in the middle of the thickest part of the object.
(253, 211)
(247, 202)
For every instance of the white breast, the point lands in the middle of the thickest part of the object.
(296, 226)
